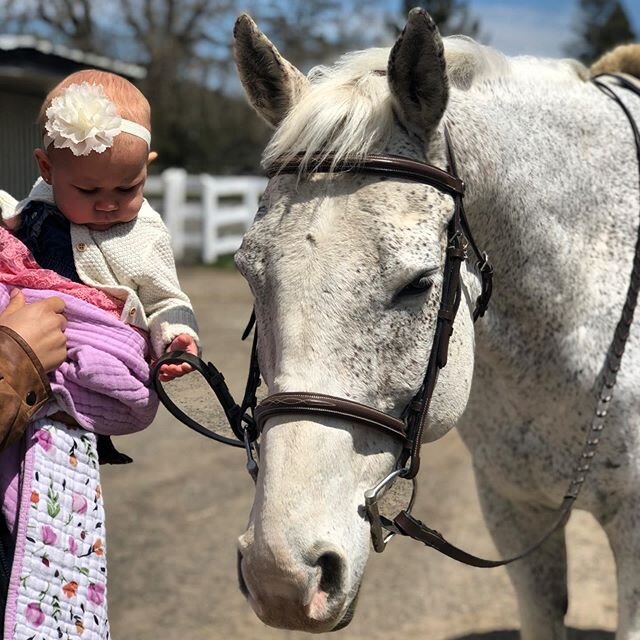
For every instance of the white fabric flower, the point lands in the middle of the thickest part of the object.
(82, 119)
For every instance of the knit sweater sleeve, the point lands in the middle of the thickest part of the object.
(11, 209)
(168, 308)
(8, 210)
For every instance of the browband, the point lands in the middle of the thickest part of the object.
(384, 165)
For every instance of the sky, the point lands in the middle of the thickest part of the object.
(535, 27)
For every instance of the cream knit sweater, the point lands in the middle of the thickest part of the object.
(132, 261)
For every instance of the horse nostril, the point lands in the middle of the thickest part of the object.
(332, 569)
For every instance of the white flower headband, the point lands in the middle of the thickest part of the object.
(83, 119)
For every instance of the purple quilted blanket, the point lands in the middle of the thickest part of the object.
(104, 383)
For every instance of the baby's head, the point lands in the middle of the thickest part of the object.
(95, 161)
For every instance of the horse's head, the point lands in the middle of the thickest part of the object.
(346, 270)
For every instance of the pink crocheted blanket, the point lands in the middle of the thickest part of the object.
(19, 269)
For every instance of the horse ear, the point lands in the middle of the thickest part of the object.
(417, 74)
(272, 84)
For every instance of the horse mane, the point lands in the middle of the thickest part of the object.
(346, 110)
(622, 59)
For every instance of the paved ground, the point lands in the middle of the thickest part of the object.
(174, 515)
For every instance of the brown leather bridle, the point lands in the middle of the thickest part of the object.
(248, 419)
(410, 427)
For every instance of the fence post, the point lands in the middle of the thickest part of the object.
(175, 197)
(209, 215)
(252, 198)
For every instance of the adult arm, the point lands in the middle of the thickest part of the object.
(32, 341)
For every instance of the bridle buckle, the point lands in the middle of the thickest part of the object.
(249, 443)
(380, 532)
(483, 265)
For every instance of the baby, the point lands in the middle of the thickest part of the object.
(86, 217)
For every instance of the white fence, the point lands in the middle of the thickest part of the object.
(205, 214)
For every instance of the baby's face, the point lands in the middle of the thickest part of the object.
(98, 190)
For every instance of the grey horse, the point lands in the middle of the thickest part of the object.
(346, 271)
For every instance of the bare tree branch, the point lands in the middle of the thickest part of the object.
(149, 15)
(136, 26)
(185, 47)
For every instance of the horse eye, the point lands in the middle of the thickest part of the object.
(418, 285)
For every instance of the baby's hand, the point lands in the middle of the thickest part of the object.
(183, 342)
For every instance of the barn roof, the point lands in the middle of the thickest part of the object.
(31, 61)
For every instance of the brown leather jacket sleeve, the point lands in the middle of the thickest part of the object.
(24, 387)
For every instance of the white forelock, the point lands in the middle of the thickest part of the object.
(347, 108)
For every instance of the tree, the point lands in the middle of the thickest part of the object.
(184, 46)
(309, 32)
(68, 21)
(179, 45)
(602, 24)
(452, 16)
(199, 119)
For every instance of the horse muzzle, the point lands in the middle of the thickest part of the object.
(309, 595)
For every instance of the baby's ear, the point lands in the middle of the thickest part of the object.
(152, 156)
(44, 164)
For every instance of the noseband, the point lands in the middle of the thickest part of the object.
(248, 419)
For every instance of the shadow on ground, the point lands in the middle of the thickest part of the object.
(574, 634)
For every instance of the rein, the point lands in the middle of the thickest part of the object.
(248, 419)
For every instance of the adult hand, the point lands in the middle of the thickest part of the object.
(41, 325)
